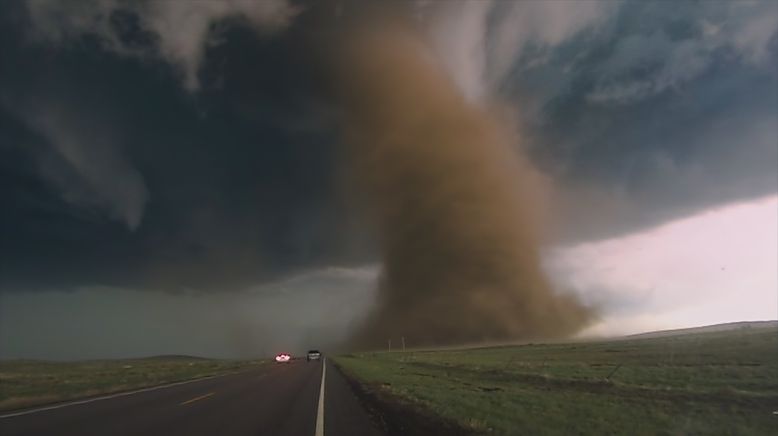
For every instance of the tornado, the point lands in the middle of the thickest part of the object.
(453, 203)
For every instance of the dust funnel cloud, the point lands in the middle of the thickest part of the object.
(454, 205)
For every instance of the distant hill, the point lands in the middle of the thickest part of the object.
(172, 357)
(710, 329)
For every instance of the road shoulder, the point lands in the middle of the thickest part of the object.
(394, 416)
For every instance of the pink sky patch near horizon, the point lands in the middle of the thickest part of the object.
(717, 266)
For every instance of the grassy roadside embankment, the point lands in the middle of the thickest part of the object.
(711, 383)
(27, 383)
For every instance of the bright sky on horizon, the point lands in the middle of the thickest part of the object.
(717, 266)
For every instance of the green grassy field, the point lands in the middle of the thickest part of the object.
(26, 383)
(703, 383)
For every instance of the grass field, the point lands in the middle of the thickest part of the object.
(702, 383)
(26, 383)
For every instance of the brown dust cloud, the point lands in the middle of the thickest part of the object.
(454, 205)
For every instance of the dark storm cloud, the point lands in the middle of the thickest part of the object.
(643, 112)
(115, 174)
(131, 157)
(177, 32)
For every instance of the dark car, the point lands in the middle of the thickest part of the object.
(314, 355)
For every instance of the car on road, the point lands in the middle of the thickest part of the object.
(283, 357)
(314, 355)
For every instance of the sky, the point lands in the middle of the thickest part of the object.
(172, 182)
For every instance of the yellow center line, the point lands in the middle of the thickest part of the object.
(196, 399)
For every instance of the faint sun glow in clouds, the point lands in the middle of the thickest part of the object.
(717, 266)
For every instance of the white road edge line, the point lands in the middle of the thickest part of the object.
(107, 397)
(320, 411)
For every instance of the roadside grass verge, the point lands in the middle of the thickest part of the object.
(28, 383)
(710, 383)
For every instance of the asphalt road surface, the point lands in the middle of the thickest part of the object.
(276, 399)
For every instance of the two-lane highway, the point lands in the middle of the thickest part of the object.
(297, 398)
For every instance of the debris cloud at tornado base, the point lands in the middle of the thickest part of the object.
(455, 206)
